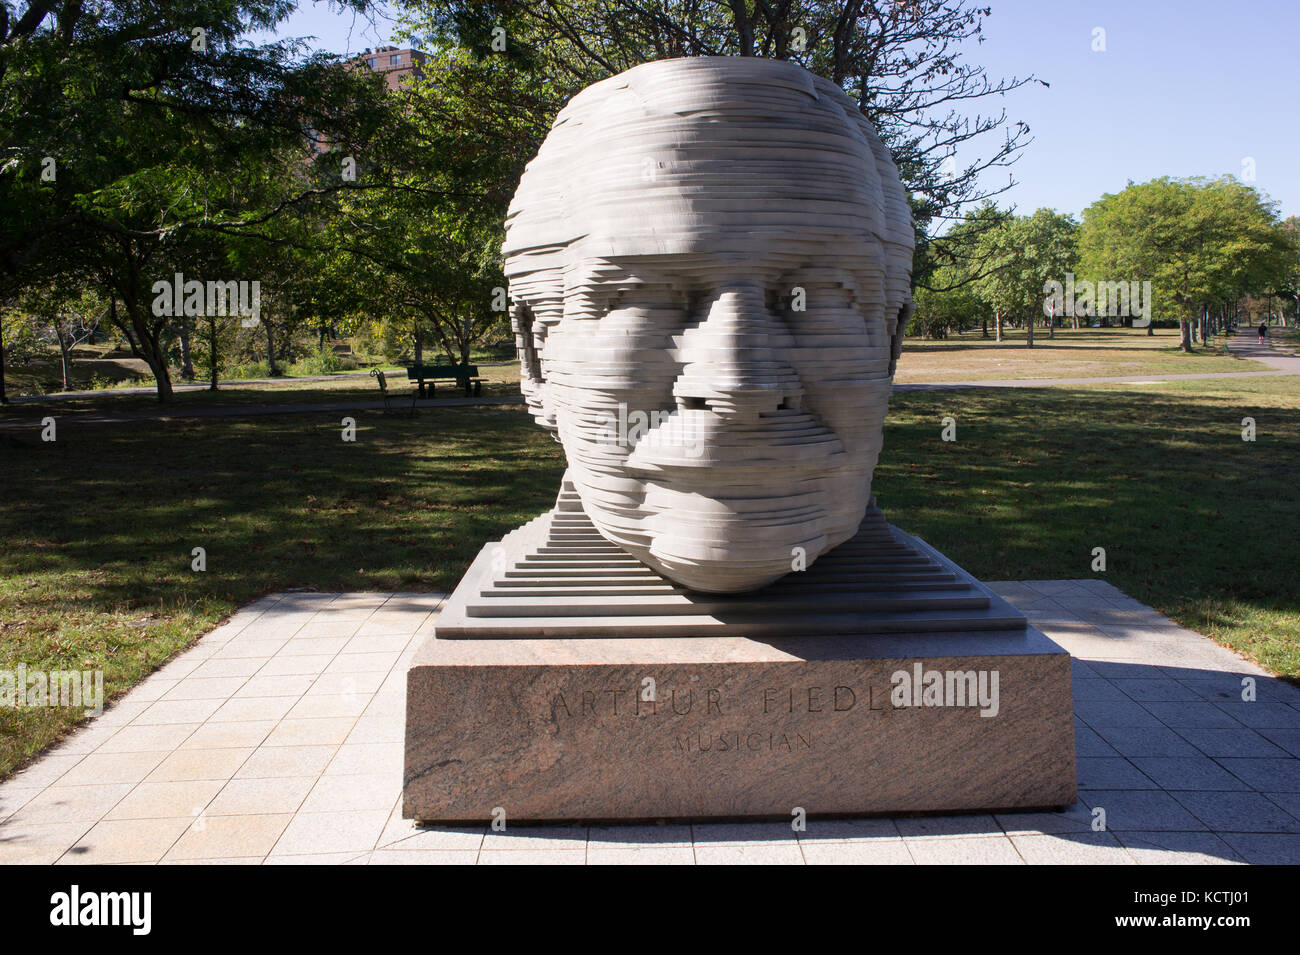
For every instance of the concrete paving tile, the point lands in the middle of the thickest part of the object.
(1112, 670)
(424, 857)
(229, 735)
(259, 647)
(178, 800)
(534, 857)
(319, 858)
(270, 761)
(295, 665)
(1164, 690)
(370, 662)
(1072, 848)
(362, 791)
(329, 731)
(205, 688)
(1107, 713)
(267, 794)
(1088, 743)
(1110, 772)
(187, 764)
(1230, 742)
(1288, 801)
(22, 844)
(125, 840)
(975, 824)
(244, 666)
(153, 688)
(246, 860)
(69, 804)
(1257, 715)
(534, 838)
(1146, 741)
(388, 704)
(13, 798)
(262, 686)
(1137, 809)
(332, 832)
(1238, 812)
(177, 711)
(333, 684)
(1098, 691)
(1288, 740)
(1178, 848)
(324, 707)
(634, 837)
(1226, 688)
(746, 854)
(741, 833)
(149, 739)
(1265, 848)
(377, 729)
(377, 640)
(214, 837)
(440, 839)
(641, 855)
(252, 709)
(846, 830)
(353, 758)
(864, 852)
(1188, 773)
(970, 850)
(119, 714)
(100, 768)
(1076, 818)
(313, 646)
(1264, 774)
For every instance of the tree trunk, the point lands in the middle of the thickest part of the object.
(270, 350)
(145, 343)
(4, 395)
(1029, 332)
(997, 326)
(65, 357)
(1184, 332)
(986, 326)
(187, 364)
(212, 352)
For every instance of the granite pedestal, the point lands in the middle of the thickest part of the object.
(732, 708)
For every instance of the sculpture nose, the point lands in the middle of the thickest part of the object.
(732, 360)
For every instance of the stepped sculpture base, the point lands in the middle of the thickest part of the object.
(564, 683)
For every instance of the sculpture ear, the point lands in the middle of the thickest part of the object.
(522, 321)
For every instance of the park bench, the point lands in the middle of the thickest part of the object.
(466, 376)
(389, 406)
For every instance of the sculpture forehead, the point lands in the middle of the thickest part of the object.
(712, 155)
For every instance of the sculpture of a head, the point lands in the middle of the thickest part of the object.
(709, 263)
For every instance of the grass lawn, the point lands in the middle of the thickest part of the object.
(1085, 353)
(497, 380)
(98, 527)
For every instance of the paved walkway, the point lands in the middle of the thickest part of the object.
(1246, 344)
(277, 738)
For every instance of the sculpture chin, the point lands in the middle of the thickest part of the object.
(723, 545)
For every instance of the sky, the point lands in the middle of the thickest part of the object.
(1181, 88)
